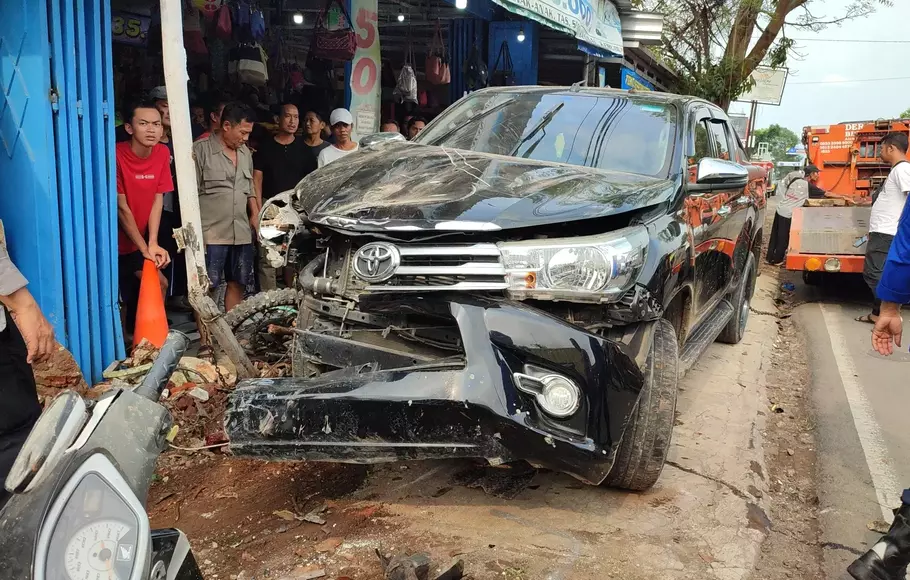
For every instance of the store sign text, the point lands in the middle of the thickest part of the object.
(595, 22)
(129, 28)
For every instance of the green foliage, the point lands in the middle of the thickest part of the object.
(780, 139)
(905, 114)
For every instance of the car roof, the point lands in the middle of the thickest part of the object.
(598, 92)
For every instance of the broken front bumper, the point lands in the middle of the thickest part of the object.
(468, 407)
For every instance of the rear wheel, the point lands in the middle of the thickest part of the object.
(742, 302)
(646, 440)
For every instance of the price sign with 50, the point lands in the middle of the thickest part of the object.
(365, 70)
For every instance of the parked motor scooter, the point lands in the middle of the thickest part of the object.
(80, 484)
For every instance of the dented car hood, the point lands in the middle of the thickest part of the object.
(410, 186)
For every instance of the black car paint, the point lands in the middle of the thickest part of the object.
(461, 409)
(488, 189)
(422, 186)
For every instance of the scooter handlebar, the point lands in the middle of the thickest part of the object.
(158, 376)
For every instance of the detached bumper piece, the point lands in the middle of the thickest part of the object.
(478, 405)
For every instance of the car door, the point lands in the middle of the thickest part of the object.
(705, 217)
(737, 203)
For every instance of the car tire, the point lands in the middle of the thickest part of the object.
(643, 449)
(742, 302)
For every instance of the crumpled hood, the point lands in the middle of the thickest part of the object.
(409, 186)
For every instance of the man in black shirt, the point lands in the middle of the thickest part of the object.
(278, 165)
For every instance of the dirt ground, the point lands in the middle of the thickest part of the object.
(792, 549)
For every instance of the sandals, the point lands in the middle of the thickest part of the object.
(865, 318)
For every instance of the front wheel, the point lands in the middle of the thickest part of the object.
(646, 440)
(742, 302)
(251, 319)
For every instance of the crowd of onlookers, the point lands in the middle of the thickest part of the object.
(233, 181)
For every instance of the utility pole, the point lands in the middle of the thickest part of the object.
(750, 126)
(189, 237)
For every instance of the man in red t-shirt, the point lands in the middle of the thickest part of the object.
(143, 177)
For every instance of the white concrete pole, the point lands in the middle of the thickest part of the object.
(189, 237)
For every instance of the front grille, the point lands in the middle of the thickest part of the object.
(456, 267)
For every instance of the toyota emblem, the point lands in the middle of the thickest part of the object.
(376, 261)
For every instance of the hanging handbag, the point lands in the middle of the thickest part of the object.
(476, 74)
(338, 44)
(192, 32)
(437, 63)
(223, 23)
(406, 86)
(503, 74)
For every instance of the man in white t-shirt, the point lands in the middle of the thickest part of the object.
(886, 212)
(341, 123)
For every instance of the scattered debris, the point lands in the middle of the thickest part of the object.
(306, 573)
(506, 481)
(328, 545)
(416, 567)
(775, 408)
(790, 452)
(878, 527)
(286, 515)
(314, 516)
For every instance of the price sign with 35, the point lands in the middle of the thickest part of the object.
(129, 28)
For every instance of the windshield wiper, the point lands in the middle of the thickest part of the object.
(544, 121)
(483, 114)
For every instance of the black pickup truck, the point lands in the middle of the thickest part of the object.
(526, 280)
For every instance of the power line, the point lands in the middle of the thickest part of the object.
(849, 81)
(853, 40)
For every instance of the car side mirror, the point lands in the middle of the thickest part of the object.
(377, 139)
(715, 174)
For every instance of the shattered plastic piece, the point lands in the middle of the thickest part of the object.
(788, 286)
(328, 428)
(314, 516)
(172, 433)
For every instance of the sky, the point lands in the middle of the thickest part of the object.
(817, 93)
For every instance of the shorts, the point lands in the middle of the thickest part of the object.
(227, 263)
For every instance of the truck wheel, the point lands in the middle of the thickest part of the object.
(742, 301)
(646, 440)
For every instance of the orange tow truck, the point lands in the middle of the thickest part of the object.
(833, 238)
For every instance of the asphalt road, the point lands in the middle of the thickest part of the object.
(859, 402)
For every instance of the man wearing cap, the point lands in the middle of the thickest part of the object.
(799, 186)
(342, 123)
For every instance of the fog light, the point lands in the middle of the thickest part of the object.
(832, 265)
(557, 395)
(560, 396)
(813, 264)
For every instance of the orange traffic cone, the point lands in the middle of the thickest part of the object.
(151, 319)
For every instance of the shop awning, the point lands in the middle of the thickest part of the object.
(595, 23)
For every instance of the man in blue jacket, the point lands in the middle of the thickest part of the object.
(888, 559)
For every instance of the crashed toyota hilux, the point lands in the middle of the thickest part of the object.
(526, 280)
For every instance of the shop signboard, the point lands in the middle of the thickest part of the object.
(593, 22)
(364, 82)
(769, 86)
(633, 80)
(128, 28)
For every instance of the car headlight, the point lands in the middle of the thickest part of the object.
(593, 268)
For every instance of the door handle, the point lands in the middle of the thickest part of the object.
(723, 210)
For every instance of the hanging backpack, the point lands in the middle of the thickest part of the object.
(242, 15)
(406, 86)
(476, 74)
(223, 27)
(503, 74)
(338, 44)
(437, 63)
(257, 25)
(248, 65)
